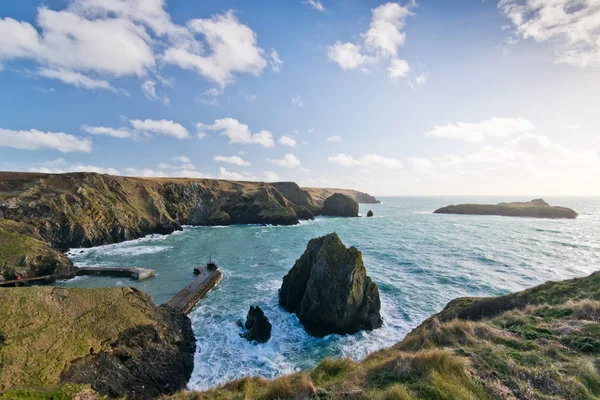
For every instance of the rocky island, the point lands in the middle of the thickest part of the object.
(329, 290)
(42, 215)
(537, 208)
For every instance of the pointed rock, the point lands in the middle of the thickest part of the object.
(329, 290)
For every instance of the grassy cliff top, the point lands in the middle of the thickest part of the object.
(42, 329)
(32, 184)
(543, 343)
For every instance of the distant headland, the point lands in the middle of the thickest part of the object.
(537, 208)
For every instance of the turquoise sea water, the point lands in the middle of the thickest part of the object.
(420, 261)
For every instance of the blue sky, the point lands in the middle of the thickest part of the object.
(428, 97)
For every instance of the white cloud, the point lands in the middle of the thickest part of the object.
(54, 163)
(477, 132)
(182, 159)
(232, 160)
(239, 133)
(335, 138)
(71, 42)
(232, 48)
(271, 176)
(385, 32)
(398, 69)
(368, 160)
(287, 141)
(573, 26)
(347, 55)
(149, 173)
(297, 101)
(76, 168)
(101, 130)
(75, 78)
(380, 42)
(144, 173)
(149, 90)
(316, 4)
(571, 127)
(212, 92)
(161, 127)
(201, 135)
(527, 164)
(250, 97)
(90, 42)
(274, 61)
(35, 140)
(165, 166)
(288, 161)
(421, 79)
(232, 176)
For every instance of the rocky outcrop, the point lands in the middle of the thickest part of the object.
(370, 213)
(318, 195)
(258, 327)
(537, 208)
(114, 339)
(24, 253)
(329, 290)
(340, 205)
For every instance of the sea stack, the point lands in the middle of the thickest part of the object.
(370, 213)
(340, 205)
(258, 327)
(329, 290)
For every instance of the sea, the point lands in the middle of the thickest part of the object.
(419, 260)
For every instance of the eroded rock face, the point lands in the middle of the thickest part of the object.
(145, 361)
(340, 205)
(258, 327)
(329, 290)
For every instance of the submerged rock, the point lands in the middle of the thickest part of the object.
(340, 205)
(370, 213)
(258, 327)
(537, 208)
(329, 290)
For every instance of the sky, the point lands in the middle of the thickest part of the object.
(393, 98)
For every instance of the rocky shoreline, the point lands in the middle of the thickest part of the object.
(55, 212)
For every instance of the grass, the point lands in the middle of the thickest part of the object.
(537, 344)
(44, 328)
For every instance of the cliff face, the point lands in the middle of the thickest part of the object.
(86, 209)
(114, 339)
(541, 343)
(537, 208)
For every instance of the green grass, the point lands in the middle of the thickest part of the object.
(537, 344)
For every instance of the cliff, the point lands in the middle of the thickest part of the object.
(537, 208)
(114, 340)
(62, 211)
(319, 195)
(541, 343)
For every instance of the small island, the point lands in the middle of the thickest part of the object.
(537, 208)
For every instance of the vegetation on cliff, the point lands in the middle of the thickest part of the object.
(24, 253)
(329, 290)
(537, 208)
(114, 339)
(61, 211)
(542, 343)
